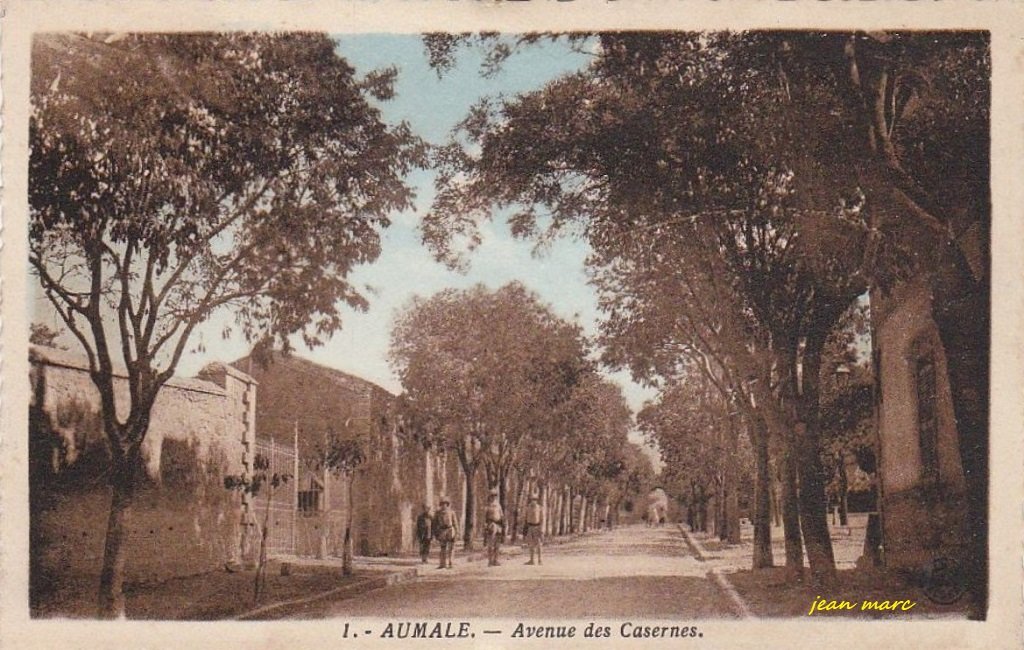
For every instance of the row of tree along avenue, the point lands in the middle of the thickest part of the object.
(508, 386)
(740, 194)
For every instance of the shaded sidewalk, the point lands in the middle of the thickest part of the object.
(766, 593)
(221, 594)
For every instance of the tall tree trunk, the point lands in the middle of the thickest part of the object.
(732, 493)
(470, 514)
(732, 504)
(813, 503)
(574, 521)
(762, 496)
(503, 488)
(581, 524)
(125, 471)
(579, 512)
(776, 506)
(961, 307)
(469, 464)
(348, 550)
(791, 516)
(707, 511)
(490, 476)
(520, 490)
(561, 512)
(844, 488)
(570, 510)
(706, 503)
(555, 510)
(732, 516)
(546, 502)
(721, 519)
(111, 592)
(554, 515)
(691, 507)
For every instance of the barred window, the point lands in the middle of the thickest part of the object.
(927, 417)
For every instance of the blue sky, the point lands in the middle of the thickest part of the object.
(432, 106)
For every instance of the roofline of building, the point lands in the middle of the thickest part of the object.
(291, 356)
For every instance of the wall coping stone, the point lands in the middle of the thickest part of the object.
(67, 359)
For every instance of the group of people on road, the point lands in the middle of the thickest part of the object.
(655, 515)
(443, 525)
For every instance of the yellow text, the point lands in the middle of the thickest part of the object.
(821, 604)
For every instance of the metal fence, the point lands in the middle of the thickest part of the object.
(281, 540)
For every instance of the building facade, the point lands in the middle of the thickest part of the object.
(305, 405)
(923, 504)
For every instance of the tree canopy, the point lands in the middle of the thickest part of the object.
(492, 365)
(800, 169)
(498, 378)
(238, 169)
(174, 175)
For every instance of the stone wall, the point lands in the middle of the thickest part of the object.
(391, 485)
(398, 477)
(923, 524)
(184, 521)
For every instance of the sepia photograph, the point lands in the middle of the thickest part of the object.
(590, 334)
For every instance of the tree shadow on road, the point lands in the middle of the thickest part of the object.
(638, 597)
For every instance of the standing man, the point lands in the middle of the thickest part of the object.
(533, 527)
(494, 527)
(446, 529)
(425, 532)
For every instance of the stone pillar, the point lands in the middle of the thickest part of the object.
(240, 412)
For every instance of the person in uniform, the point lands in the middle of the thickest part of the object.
(532, 531)
(494, 528)
(446, 529)
(425, 532)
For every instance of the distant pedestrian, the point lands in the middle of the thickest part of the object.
(652, 515)
(494, 528)
(446, 529)
(425, 532)
(532, 531)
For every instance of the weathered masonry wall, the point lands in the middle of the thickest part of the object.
(304, 400)
(923, 514)
(184, 521)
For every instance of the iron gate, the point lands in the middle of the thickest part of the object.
(281, 520)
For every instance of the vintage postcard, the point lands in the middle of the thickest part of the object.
(512, 324)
